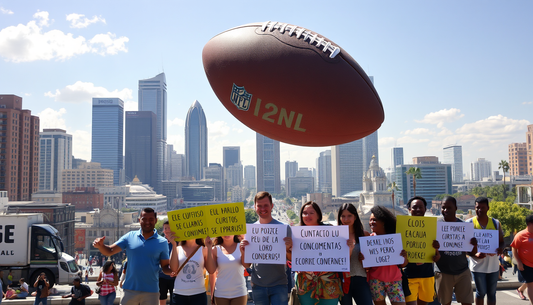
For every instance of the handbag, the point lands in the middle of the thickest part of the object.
(293, 298)
(44, 292)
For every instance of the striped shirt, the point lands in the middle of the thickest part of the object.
(107, 288)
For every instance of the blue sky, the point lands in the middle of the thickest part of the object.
(448, 72)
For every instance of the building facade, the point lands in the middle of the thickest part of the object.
(233, 171)
(19, 149)
(268, 164)
(153, 97)
(396, 159)
(453, 154)
(529, 142)
(195, 141)
(323, 165)
(347, 168)
(55, 155)
(480, 169)
(249, 176)
(84, 198)
(90, 174)
(140, 152)
(108, 135)
(370, 149)
(518, 159)
(215, 173)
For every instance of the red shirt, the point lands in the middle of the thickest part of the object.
(523, 243)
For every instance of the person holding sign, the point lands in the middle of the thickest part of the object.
(453, 273)
(385, 280)
(312, 286)
(359, 290)
(523, 253)
(421, 276)
(269, 281)
(146, 251)
(485, 267)
(229, 286)
(192, 255)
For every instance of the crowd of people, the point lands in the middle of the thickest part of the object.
(203, 271)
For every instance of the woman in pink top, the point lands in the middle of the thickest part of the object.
(385, 280)
(107, 280)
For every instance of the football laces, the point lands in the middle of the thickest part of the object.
(310, 37)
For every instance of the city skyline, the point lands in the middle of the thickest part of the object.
(432, 79)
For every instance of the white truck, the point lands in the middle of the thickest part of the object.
(28, 247)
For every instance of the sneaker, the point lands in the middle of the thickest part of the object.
(520, 294)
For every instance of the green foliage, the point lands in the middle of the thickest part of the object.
(416, 173)
(292, 215)
(511, 216)
(441, 196)
(459, 212)
(288, 201)
(250, 215)
(159, 225)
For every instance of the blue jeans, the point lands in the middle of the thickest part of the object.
(275, 295)
(359, 291)
(197, 299)
(107, 299)
(39, 300)
(486, 284)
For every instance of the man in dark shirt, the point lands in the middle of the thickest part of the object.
(453, 270)
(79, 292)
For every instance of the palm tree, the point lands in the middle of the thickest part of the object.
(504, 166)
(416, 173)
(392, 187)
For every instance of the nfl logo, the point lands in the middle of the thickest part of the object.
(240, 98)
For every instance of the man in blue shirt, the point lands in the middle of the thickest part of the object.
(146, 251)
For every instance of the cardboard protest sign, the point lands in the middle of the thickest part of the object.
(208, 220)
(455, 236)
(487, 240)
(418, 234)
(266, 244)
(320, 248)
(381, 250)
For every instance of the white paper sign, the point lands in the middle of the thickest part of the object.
(455, 236)
(487, 240)
(266, 244)
(320, 248)
(382, 250)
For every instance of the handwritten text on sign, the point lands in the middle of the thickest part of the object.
(320, 248)
(455, 236)
(487, 240)
(418, 234)
(266, 244)
(208, 220)
(381, 250)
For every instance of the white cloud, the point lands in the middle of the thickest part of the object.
(418, 131)
(527, 103)
(217, 129)
(175, 122)
(80, 147)
(131, 106)
(81, 92)
(410, 140)
(442, 116)
(178, 141)
(386, 141)
(6, 11)
(79, 21)
(25, 43)
(237, 130)
(50, 118)
(498, 125)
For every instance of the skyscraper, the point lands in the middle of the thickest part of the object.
(268, 164)
(529, 142)
(324, 172)
(55, 155)
(396, 159)
(141, 156)
(453, 154)
(347, 168)
(19, 161)
(232, 167)
(291, 168)
(370, 149)
(249, 176)
(480, 169)
(153, 97)
(108, 135)
(195, 141)
(518, 159)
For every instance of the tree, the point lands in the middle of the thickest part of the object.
(159, 225)
(250, 215)
(504, 166)
(288, 201)
(291, 214)
(416, 173)
(392, 187)
(511, 216)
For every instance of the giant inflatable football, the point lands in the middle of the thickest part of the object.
(292, 85)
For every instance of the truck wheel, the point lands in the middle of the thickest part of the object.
(49, 276)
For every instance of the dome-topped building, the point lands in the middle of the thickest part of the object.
(142, 196)
(375, 186)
